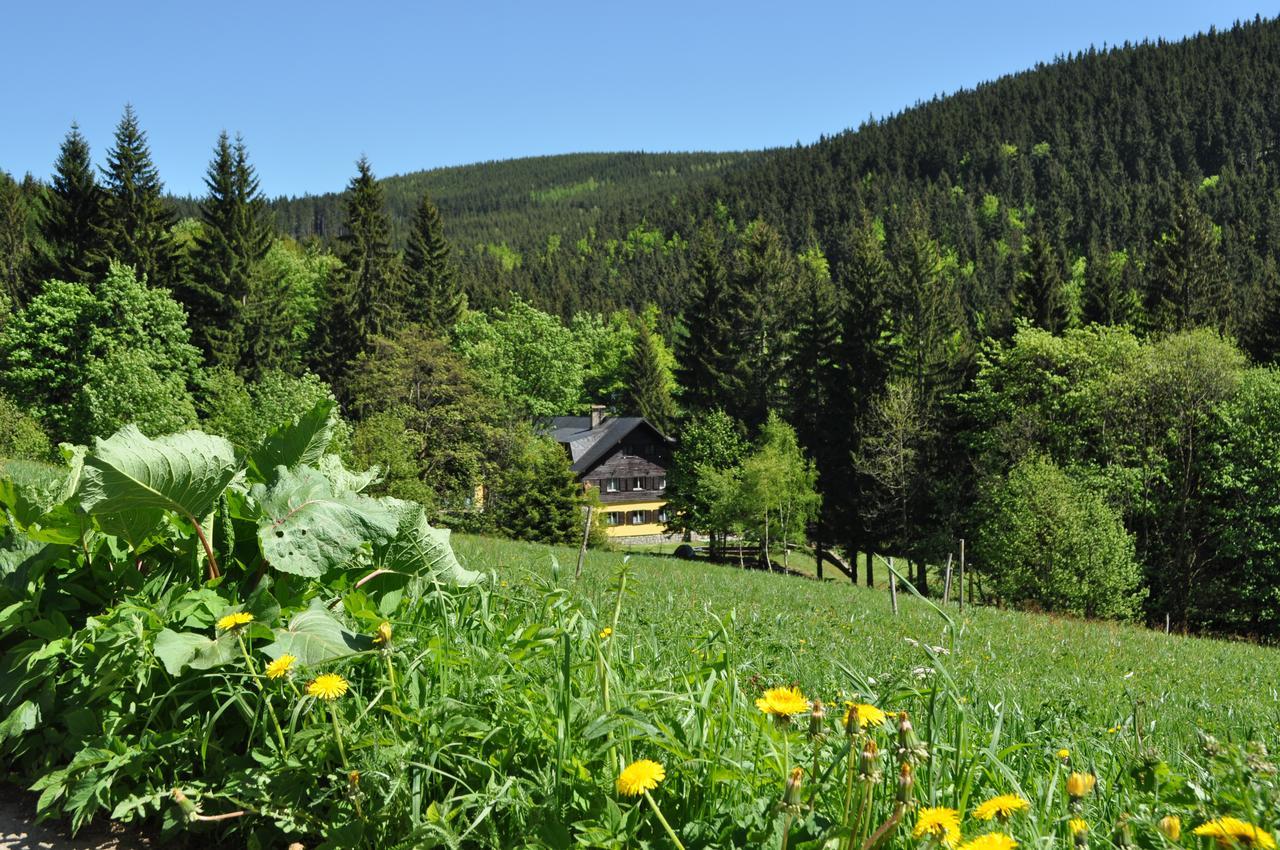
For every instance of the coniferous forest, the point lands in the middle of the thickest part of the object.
(1041, 315)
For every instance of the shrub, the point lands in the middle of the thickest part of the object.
(20, 434)
(1054, 542)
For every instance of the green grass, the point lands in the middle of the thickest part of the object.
(1068, 681)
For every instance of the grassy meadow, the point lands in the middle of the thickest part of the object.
(1067, 682)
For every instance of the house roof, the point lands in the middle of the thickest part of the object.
(587, 445)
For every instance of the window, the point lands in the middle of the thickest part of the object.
(611, 486)
(637, 517)
(660, 483)
(637, 483)
(662, 515)
(613, 518)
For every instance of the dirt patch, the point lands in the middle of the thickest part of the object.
(19, 831)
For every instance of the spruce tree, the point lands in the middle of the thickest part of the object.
(648, 384)
(705, 349)
(137, 219)
(1041, 295)
(434, 298)
(364, 297)
(235, 236)
(72, 222)
(760, 306)
(1189, 284)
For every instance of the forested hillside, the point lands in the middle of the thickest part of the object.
(1040, 316)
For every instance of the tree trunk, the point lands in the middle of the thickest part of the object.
(871, 569)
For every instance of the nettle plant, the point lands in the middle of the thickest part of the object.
(179, 618)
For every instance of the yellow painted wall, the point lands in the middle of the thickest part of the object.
(626, 529)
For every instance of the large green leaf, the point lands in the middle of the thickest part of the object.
(179, 650)
(315, 636)
(130, 480)
(421, 550)
(307, 526)
(29, 489)
(302, 442)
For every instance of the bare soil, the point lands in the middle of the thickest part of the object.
(19, 831)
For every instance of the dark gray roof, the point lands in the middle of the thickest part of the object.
(588, 445)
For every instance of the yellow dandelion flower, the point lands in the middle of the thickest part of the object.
(280, 666)
(383, 635)
(639, 777)
(1002, 807)
(867, 715)
(235, 621)
(1171, 827)
(1064, 754)
(607, 633)
(1078, 826)
(1229, 832)
(1081, 784)
(938, 824)
(327, 686)
(783, 702)
(990, 841)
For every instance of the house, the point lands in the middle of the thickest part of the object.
(625, 460)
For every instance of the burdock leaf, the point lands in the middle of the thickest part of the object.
(308, 527)
(315, 636)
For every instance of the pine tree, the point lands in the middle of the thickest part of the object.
(236, 235)
(760, 305)
(705, 347)
(648, 384)
(137, 219)
(434, 297)
(73, 221)
(1189, 284)
(813, 370)
(365, 295)
(1041, 295)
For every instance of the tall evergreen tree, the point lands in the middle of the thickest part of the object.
(18, 202)
(760, 311)
(1041, 293)
(434, 297)
(72, 222)
(704, 350)
(648, 391)
(137, 218)
(1188, 284)
(365, 296)
(235, 236)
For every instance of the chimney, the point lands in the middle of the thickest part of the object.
(597, 415)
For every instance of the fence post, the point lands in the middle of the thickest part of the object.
(817, 557)
(586, 535)
(962, 576)
(946, 587)
(893, 586)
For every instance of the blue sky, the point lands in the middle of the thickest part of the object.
(416, 85)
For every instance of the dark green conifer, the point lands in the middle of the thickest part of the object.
(648, 391)
(1040, 295)
(365, 295)
(137, 219)
(1188, 284)
(434, 298)
(705, 348)
(72, 222)
(235, 236)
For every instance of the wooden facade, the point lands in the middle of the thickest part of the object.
(625, 462)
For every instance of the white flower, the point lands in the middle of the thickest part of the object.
(911, 641)
(939, 650)
(922, 672)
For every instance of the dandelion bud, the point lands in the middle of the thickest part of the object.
(1122, 837)
(383, 637)
(187, 807)
(353, 779)
(906, 781)
(817, 720)
(1170, 827)
(791, 796)
(910, 748)
(869, 767)
(1079, 832)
